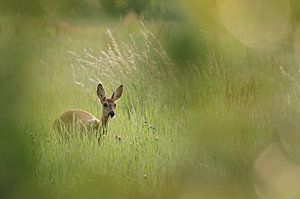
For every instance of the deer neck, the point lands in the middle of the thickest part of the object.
(104, 120)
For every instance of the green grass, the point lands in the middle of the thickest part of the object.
(145, 158)
(185, 128)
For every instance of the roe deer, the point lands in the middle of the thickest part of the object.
(276, 176)
(85, 121)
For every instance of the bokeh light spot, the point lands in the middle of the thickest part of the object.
(259, 24)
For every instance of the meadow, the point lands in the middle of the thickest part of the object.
(142, 148)
(183, 129)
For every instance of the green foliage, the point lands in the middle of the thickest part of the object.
(121, 7)
(19, 7)
(89, 9)
(295, 12)
(198, 118)
(140, 152)
(163, 9)
(78, 8)
(169, 125)
(148, 8)
(186, 45)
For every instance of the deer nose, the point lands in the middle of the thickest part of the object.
(111, 114)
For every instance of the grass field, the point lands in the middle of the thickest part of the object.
(65, 76)
(182, 130)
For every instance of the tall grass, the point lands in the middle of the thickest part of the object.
(142, 148)
(180, 131)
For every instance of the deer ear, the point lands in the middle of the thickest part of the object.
(100, 92)
(118, 93)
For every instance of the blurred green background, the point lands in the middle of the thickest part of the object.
(207, 86)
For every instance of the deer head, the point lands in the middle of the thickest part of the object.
(108, 104)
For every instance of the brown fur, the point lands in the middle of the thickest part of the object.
(81, 119)
(105, 111)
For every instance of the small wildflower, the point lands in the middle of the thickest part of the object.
(151, 127)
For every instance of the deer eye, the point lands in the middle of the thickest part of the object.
(105, 104)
